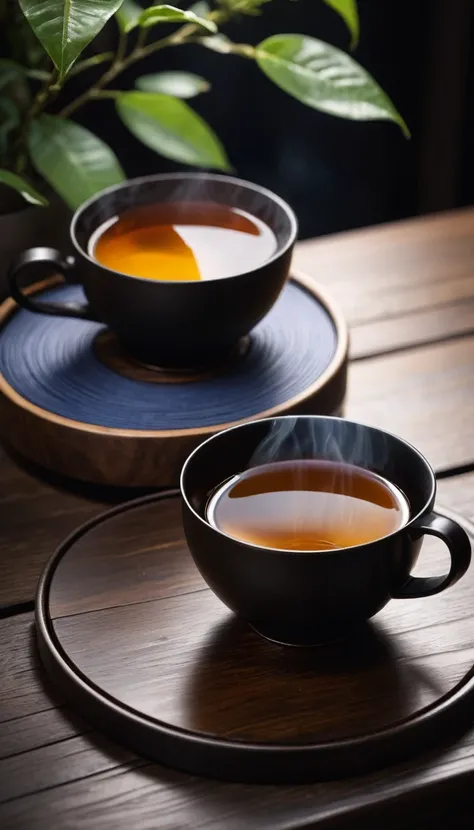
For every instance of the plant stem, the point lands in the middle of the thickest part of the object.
(88, 63)
(47, 90)
(141, 38)
(122, 62)
(107, 93)
(121, 49)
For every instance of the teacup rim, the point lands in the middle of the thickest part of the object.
(157, 177)
(334, 551)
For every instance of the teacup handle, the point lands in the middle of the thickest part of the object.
(459, 546)
(28, 261)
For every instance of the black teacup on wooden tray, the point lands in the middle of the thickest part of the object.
(133, 636)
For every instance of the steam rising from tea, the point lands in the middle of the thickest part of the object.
(308, 504)
(183, 241)
(307, 487)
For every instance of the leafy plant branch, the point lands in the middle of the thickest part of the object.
(76, 163)
(122, 61)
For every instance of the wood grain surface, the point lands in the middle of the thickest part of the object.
(394, 334)
(55, 772)
(165, 646)
(425, 395)
(35, 516)
(408, 293)
(397, 269)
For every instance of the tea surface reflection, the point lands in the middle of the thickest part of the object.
(183, 241)
(308, 505)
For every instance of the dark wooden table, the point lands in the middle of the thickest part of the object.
(408, 293)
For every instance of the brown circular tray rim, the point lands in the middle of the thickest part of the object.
(332, 372)
(240, 760)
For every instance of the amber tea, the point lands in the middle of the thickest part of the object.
(182, 241)
(307, 505)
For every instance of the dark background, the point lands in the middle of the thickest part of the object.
(337, 174)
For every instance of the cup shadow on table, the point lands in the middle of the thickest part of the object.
(215, 687)
(244, 687)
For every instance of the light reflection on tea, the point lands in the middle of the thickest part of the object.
(182, 241)
(307, 505)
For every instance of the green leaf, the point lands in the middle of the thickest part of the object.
(10, 71)
(73, 160)
(170, 14)
(65, 27)
(201, 8)
(14, 83)
(38, 74)
(22, 186)
(10, 119)
(234, 7)
(325, 78)
(172, 128)
(347, 9)
(218, 43)
(128, 15)
(178, 84)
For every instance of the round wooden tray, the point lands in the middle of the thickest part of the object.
(73, 403)
(130, 632)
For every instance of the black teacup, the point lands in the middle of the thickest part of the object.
(304, 597)
(168, 323)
